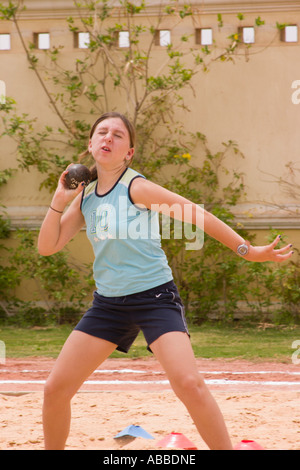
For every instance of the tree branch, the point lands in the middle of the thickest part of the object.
(52, 102)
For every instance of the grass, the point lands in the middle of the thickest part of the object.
(251, 343)
(209, 341)
(36, 341)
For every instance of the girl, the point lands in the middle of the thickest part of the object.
(134, 285)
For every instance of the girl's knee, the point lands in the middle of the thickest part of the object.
(189, 386)
(57, 390)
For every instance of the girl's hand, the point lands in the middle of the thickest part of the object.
(63, 195)
(269, 253)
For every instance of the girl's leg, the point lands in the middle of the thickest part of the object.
(174, 352)
(79, 357)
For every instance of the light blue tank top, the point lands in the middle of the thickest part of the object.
(125, 239)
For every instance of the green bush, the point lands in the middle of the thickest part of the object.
(61, 286)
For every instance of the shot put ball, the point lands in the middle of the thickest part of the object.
(77, 174)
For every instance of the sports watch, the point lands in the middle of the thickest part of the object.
(242, 249)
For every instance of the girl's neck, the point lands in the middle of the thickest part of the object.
(107, 178)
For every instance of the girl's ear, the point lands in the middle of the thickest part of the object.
(130, 154)
(129, 157)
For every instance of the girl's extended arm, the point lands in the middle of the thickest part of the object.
(155, 197)
(59, 228)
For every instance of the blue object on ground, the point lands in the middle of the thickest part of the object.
(134, 431)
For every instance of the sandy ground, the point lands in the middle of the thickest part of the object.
(259, 401)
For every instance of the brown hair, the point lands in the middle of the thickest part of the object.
(129, 126)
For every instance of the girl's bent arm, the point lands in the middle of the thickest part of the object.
(57, 228)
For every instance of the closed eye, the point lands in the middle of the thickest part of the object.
(116, 132)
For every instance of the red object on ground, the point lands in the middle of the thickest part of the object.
(248, 445)
(176, 440)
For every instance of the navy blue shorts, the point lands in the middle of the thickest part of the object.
(119, 319)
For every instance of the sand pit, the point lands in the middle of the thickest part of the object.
(259, 401)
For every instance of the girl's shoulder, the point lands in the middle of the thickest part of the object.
(90, 189)
(129, 175)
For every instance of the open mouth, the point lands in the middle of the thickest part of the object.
(105, 149)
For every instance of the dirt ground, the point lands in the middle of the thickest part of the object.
(260, 402)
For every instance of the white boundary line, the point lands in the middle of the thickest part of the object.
(132, 371)
(161, 382)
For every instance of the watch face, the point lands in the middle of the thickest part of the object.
(242, 250)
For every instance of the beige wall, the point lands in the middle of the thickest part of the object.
(248, 101)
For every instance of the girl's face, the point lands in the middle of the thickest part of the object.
(110, 144)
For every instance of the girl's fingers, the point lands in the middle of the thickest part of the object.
(276, 241)
(285, 248)
(280, 256)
